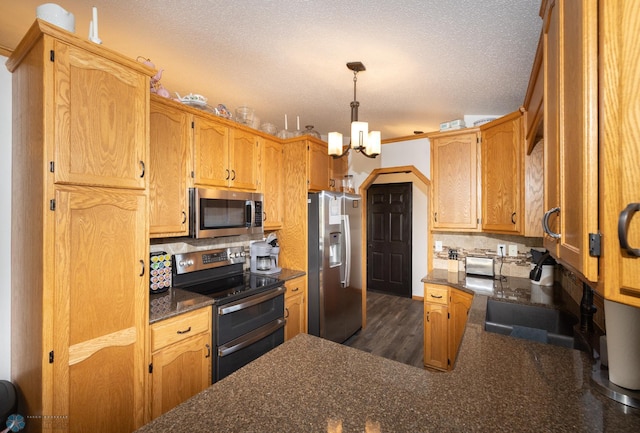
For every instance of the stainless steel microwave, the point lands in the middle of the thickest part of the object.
(215, 213)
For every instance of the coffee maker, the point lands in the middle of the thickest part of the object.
(264, 256)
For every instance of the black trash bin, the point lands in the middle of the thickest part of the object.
(8, 401)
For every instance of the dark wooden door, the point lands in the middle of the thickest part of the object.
(389, 226)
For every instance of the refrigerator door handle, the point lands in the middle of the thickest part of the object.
(347, 246)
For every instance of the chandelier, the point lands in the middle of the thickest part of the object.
(363, 141)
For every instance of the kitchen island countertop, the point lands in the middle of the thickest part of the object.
(500, 383)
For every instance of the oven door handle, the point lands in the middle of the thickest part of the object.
(250, 302)
(249, 339)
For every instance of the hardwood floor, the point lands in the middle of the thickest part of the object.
(394, 329)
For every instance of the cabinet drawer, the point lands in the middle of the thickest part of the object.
(295, 287)
(180, 327)
(436, 295)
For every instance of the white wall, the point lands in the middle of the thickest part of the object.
(5, 221)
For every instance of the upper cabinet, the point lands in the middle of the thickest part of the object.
(95, 143)
(502, 174)
(483, 181)
(169, 162)
(571, 132)
(223, 155)
(455, 170)
(619, 151)
(318, 167)
(272, 183)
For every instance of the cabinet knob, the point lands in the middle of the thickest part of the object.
(623, 228)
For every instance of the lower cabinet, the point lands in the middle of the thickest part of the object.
(180, 359)
(445, 317)
(295, 307)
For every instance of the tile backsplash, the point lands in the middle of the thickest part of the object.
(485, 245)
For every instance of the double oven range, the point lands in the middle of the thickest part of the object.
(248, 309)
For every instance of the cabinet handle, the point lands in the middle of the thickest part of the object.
(545, 223)
(142, 166)
(623, 228)
(228, 174)
(264, 216)
(185, 331)
(437, 297)
(142, 267)
(234, 175)
(428, 315)
(435, 217)
(184, 217)
(513, 216)
(208, 350)
(296, 289)
(286, 313)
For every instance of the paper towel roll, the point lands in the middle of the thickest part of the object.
(623, 344)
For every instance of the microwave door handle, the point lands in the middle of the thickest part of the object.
(347, 252)
(248, 209)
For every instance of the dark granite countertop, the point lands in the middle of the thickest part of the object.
(500, 383)
(177, 301)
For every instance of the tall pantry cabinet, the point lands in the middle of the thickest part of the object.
(79, 233)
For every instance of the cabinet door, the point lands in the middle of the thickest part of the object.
(210, 153)
(243, 160)
(339, 169)
(455, 182)
(170, 139)
(272, 184)
(295, 307)
(295, 313)
(620, 152)
(502, 174)
(318, 175)
(101, 124)
(100, 308)
(179, 372)
(435, 336)
(575, 154)
(459, 305)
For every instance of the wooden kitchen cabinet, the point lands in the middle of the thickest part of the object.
(180, 359)
(339, 169)
(79, 267)
(95, 144)
(571, 132)
(619, 151)
(502, 175)
(295, 307)
(224, 156)
(272, 184)
(318, 174)
(169, 166)
(455, 169)
(243, 159)
(445, 317)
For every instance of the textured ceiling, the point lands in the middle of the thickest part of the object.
(427, 61)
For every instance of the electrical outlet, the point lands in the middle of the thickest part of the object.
(501, 250)
(513, 250)
(438, 245)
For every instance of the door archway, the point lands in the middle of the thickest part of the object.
(408, 169)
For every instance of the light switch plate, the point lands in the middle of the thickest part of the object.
(501, 250)
(438, 245)
(513, 250)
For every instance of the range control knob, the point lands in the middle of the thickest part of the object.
(242, 253)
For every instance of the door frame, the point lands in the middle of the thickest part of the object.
(364, 187)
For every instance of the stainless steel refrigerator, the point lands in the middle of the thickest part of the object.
(334, 272)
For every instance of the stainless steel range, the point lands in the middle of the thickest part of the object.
(248, 309)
